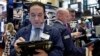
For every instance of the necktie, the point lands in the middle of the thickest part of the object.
(37, 34)
(68, 28)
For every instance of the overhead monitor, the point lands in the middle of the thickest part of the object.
(74, 6)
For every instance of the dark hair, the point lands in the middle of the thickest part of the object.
(71, 10)
(37, 3)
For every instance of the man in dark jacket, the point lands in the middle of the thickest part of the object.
(37, 13)
(63, 18)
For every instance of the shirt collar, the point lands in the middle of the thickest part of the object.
(42, 27)
(60, 22)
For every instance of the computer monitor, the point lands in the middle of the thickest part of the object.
(96, 20)
(74, 6)
(96, 23)
(97, 30)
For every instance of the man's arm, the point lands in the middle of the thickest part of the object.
(70, 48)
(57, 42)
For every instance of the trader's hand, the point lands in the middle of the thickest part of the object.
(76, 34)
(41, 53)
(90, 48)
(21, 39)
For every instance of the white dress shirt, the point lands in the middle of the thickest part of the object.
(32, 38)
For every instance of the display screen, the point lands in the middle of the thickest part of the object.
(96, 20)
(74, 6)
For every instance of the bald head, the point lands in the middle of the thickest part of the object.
(62, 9)
(63, 15)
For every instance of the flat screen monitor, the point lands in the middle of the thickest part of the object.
(96, 20)
(74, 6)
